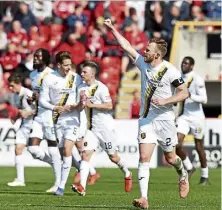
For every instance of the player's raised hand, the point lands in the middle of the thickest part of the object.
(108, 23)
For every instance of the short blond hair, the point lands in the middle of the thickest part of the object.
(161, 45)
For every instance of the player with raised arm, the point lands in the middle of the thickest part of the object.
(42, 127)
(159, 80)
(59, 94)
(191, 118)
(22, 135)
(98, 105)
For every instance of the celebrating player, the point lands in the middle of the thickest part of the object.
(159, 81)
(22, 135)
(42, 127)
(191, 118)
(58, 94)
(100, 126)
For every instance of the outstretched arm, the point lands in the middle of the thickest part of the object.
(132, 53)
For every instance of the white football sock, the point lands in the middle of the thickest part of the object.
(143, 178)
(178, 165)
(76, 158)
(204, 172)
(19, 168)
(187, 164)
(92, 170)
(84, 172)
(123, 168)
(66, 166)
(56, 163)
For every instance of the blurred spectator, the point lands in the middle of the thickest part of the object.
(96, 43)
(131, 16)
(11, 59)
(76, 48)
(111, 9)
(213, 9)
(135, 105)
(78, 16)
(137, 39)
(154, 18)
(41, 9)
(63, 9)
(140, 8)
(3, 38)
(111, 46)
(7, 103)
(197, 14)
(18, 36)
(26, 17)
(173, 12)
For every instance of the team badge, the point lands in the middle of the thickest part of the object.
(143, 135)
(85, 144)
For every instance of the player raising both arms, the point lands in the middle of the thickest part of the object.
(22, 135)
(192, 119)
(159, 81)
(98, 105)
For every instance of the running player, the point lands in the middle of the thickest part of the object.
(100, 127)
(42, 127)
(192, 119)
(58, 94)
(22, 135)
(159, 81)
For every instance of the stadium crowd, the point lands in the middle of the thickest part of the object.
(77, 26)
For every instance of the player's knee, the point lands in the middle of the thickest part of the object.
(18, 150)
(144, 157)
(114, 158)
(34, 150)
(85, 156)
(170, 158)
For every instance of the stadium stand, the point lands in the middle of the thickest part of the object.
(77, 26)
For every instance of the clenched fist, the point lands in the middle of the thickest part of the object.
(108, 23)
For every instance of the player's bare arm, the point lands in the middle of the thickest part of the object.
(103, 106)
(121, 40)
(181, 95)
(26, 113)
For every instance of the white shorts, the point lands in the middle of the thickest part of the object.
(67, 130)
(162, 132)
(42, 131)
(22, 135)
(196, 127)
(104, 138)
(82, 130)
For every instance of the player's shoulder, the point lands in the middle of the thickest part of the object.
(101, 85)
(28, 92)
(49, 70)
(82, 86)
(33, 73)
(170, 67)
(198, 78)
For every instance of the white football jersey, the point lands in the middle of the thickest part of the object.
(157, 82)
(98, 93)
(192, 106)
(22, 103)
(37, 78)
(58, 90)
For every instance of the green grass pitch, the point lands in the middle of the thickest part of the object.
(108, 193)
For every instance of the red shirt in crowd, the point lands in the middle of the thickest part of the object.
(10, 61)
(77, 50)
(18, 38)
(63, 9)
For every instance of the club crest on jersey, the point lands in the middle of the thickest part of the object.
(85, 144)
(143, 135)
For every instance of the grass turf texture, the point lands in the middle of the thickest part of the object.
(108, 193)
